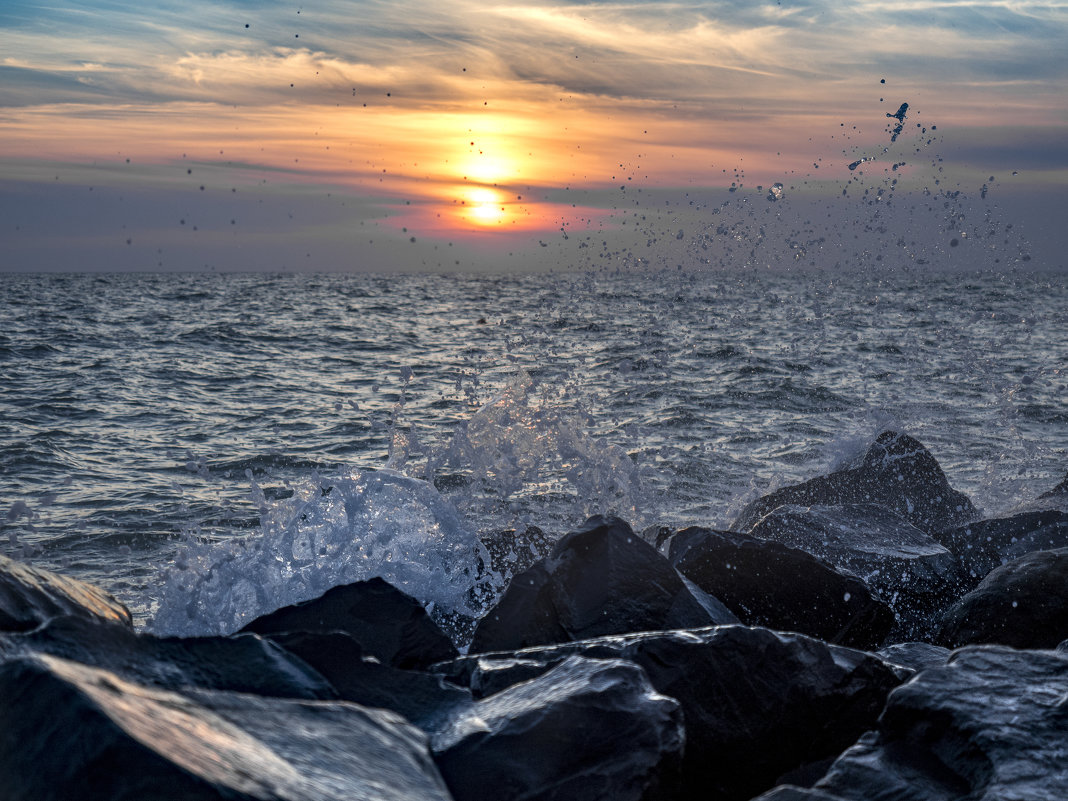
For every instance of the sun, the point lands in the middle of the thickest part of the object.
(484, 206)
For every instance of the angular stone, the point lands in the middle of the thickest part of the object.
(585, 729)
(987, 726)
(915, 655)
(245, 664)
(758, 704)
(93, 736)
(387, 623)
(769, 584)
(1060, 492)
(29, 596)
(1023, 604)
(601, 579)
(909, 570)
(897, 472)
(985, 544)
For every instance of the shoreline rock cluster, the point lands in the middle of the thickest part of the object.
(803, 654)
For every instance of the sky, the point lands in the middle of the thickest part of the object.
(463, 135)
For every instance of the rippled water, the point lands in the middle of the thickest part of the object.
(136, 410)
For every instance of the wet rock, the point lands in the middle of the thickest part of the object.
(758, 704)
(93, 736)
(1060, 492)
(585, 729)
(915, 655)
(387, 623)
(601, 579)
(514, 551)
(988, 725)
(29, 596)
(421, 698)
(769, 584)
(985, 544)
(897, 472)
(1023, 604)
(909, 570)
(245, 664)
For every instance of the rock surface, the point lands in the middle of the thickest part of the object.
(986, 544)
(757, 703)
(30, 596)
(769, 584)
(1023, 604)
(988, 726)
(915, 655)
(601, 579)
(897, 472)
(585, 729)
(93, 736)
(387, 623)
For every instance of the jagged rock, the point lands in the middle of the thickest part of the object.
(985, 544)
(387, 623)
(29, 596)
(988, 726)
(769, 584)
(601, 579)
(897, 472)
(245, 664)
(909, 570)
(1023, 604)
(1058, 492)
(915, 655)
(421, 698)
(71, 731)
(585, 729)
(757, 703)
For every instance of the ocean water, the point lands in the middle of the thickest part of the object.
(209, 447)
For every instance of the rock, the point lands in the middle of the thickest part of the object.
(29, 596)
(585, 729)
(897, 472)
(1023, 604)
(757, 703)
(914, 655)
(769, 584)
(514, 551)
(245, 664)
(386, 622)
(421, 698)
(91, 735)
(1057, 493)
(909, 570)
(985, 544)
(988, 725)
(601, 579)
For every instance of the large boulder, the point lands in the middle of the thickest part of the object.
(985, 544)
(30, 596)
(909, 570)
(585, 729)
(897, 472)
(988, 726)
(770, 584)
(387, 623)
(601, 579)
(72, 731)
(244, 664)
(758, 704)
(1023, 604)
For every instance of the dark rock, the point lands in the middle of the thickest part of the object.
(422, 698)
(601, 579)
(29, 596)
(909, 570)
(585, 729)
(69, 731)
(769, 584)
(1058, 492)
(386, 622)
(985, 544)
(757, 703)
(988, 725)
(897, 472)
(1023, 604)
(915, 655)
(245, 664)
(514, 551)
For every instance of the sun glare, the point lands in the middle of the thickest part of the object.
(485, 206)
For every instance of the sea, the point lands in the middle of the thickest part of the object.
(209, 447)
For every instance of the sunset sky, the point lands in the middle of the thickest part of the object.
(461, 135)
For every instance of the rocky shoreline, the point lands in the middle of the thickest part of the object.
(803, 654)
